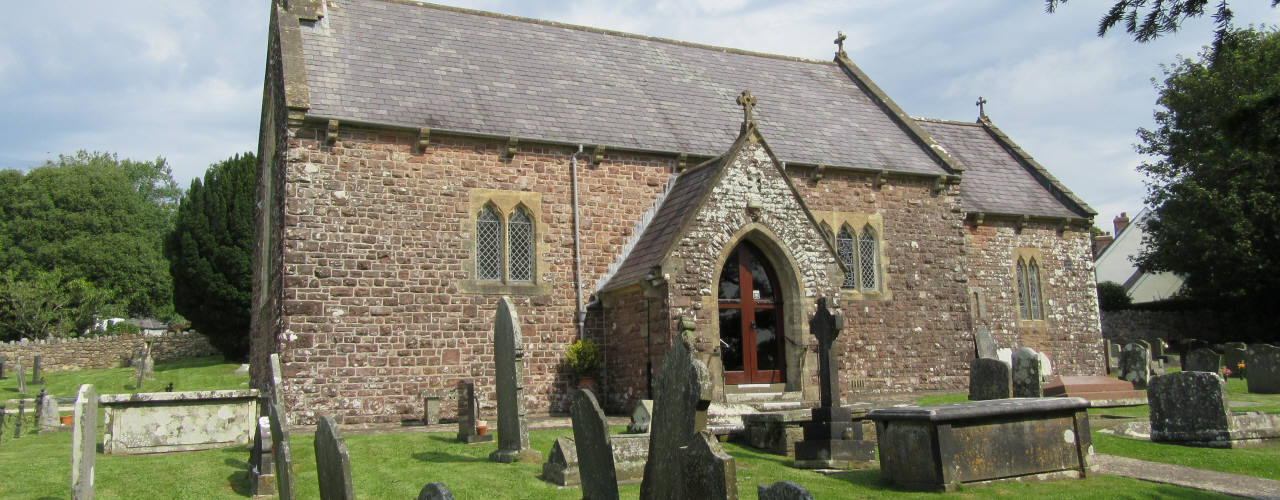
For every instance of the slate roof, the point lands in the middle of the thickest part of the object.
(412, 65)
(997, 181)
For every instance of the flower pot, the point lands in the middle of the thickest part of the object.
(586, 382)
(66, 419)
(482, 430)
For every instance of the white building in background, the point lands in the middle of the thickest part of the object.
(1115, 263)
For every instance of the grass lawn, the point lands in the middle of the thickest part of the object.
(397, 465)
(193, 374)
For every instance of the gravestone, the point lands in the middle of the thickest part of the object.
(281, 453)
(435, 491)
(2, 360)
(683, 389)
(641, 416)
(49, 414)
(1135, 365)
(1264, 369)
(1005, 354)
(1189, 345)
(1046, 366)
(985, 345)
(36, 372)
(594, 448)
(708, 473)
(1145, 345)
(22, 414)
(1203, 359)
(22, 380)
(1026, 374)
(989, 379)
(1191, 408)
(84, 443)
(431, 408)
(508, 357)
(783, 490)
(262, 476)
(1111, 351)
(1233, 355)
(144, 366)
(467, 409)
(1157, 350)
(333, 464)
(831, 438)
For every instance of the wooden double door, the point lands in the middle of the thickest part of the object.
(750, 308)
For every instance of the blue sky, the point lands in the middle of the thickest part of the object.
(183, 80)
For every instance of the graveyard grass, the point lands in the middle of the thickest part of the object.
(192, 374)
(397, 465)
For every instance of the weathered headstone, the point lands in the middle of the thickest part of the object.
(281, 453)
(831, 438)
(1046, 365)
(1190, 407)
(22, 380)
(84, 443)
(594, 448)
(1026, 374)
(144, 366)
(1157, 350)
(467, 410)
(708, 472)
(22, 414)
(430, 408)
(508, 357)
(49, 414)
(989, 379)
(1188, 345)
(985, 345)
(641, 416)
(1135, 365)
(683, 389)
(1233, 355)
(1111, 351)
(2, 360)
(1264, 369)
(783, 490)
(1202, 360)
(435, 491)
(36, 372)
(1145, 345)
(262, 476)
(333, 463)
(1005, 354)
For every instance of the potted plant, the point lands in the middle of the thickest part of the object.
(583, 356)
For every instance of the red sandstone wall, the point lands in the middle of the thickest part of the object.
(376, 242)
(917, 338)
(1070, 335)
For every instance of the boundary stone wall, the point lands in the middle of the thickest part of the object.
(1172, 326)
(89, 353)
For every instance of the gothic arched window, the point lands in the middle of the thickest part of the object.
(520, 246)
(1029, 293)
(489, 244)
(867, 254)
(844, 246)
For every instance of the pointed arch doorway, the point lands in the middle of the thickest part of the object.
(750, 308)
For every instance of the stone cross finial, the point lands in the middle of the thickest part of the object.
(982, 112)
(839, 41)
(747, 101)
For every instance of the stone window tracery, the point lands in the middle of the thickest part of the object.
(507, 254)
(488, 245)
(1027, 276)
(520, 244)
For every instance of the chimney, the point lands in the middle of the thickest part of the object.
(1121, 222)
(1100, 243)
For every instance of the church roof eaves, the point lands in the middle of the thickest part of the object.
(1042, 174)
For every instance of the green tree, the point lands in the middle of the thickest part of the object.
(210, 253)
(1112, 297)
(92, 216)
(1215, 180)
(48, 305)
(1146, 21)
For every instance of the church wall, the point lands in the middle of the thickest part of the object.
(636, 337)
(378, 242)
(1070, 333)
(915, 335)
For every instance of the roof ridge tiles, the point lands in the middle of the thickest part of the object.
(602, 31)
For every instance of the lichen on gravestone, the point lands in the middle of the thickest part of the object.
(333, 463)
(1026, 374)
(594, 448)
(513, 433)
(683, 389)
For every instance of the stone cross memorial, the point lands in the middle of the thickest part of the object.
(1135, 365)
(513, 432)
(1026, 374)
(683, 389)
(84, 443)
(281, 453)
(333, 464)
(467, 411)
(989, 379)
(594, 448)
(831, 438)
(1263, 369)
(1203, 359)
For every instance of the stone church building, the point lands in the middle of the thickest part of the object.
(419, 162)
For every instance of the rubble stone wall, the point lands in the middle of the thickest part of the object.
(90, 353)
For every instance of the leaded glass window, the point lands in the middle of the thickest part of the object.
(844, 246)
(488, 244)
(1024, 299)
(1033, 288)
(867, 259)
(520, 244)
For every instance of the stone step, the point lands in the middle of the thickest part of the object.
(762, 397)
(751, 388)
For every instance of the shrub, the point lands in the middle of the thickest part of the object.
(582, 357)
(1112, 297)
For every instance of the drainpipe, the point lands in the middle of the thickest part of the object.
(579, 310)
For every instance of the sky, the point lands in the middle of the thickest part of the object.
(183, 80)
